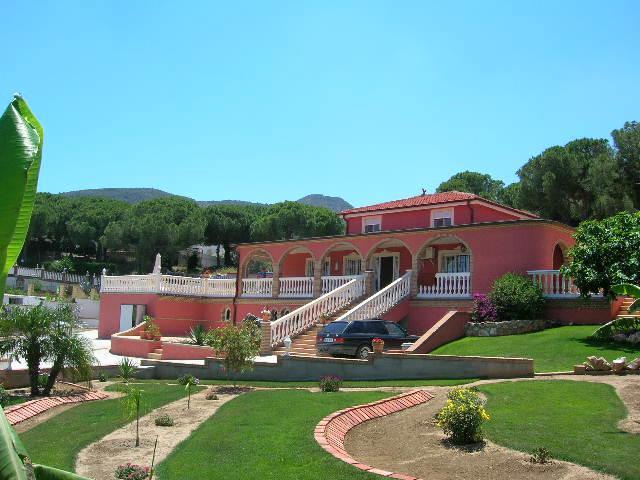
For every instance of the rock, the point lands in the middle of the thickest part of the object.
(619, 337)
(598, 364)
(634, 364)
(634, 338)
(619, 364)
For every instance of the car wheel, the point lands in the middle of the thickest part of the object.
(363, 352)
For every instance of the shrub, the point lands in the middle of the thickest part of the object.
(516, 297)
(164, 421)
(330, 383)
(102, 377)
(4, 396)
(462, 417)
(483, 309)
(211, 395)
(127, 369)
(540, 455)
(132, 472)
(198, 335)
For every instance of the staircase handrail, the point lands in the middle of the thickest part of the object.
(382, 301)
(294, 323)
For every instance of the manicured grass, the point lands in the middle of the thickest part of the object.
(575, 421)
(347, 384)
(265, 435)
(57, 441)
(553, 350)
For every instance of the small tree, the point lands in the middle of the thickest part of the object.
(606, 253)
(38, 334)
(127, 369)
(189, 381)
(132, 403)
(238, 345)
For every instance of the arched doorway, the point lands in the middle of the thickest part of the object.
(444, 268)
(388, 259)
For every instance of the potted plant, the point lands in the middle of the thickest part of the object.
(265, 314)
(378, 345)
(154, 332)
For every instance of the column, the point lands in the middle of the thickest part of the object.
(368, 283)
(275, 287)
(265, 338)
(317, 278)
(414, 278)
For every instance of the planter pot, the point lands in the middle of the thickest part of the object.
(266, 317)
(378, 347)
(144, 335)
(157, 337)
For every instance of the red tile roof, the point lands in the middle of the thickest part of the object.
(430, 199)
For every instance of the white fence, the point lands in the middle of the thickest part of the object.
(169, 284)
(447, 285)
(382, 301)
(296, 287)
(257, 287)
(42, 274)
(296, 322)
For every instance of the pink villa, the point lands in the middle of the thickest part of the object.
(413, 261)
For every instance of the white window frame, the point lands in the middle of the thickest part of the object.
(352, 257)
(440, 213)
(372, 221)
(452, 253)
(309, 267)
(326, 267)
(376, 266)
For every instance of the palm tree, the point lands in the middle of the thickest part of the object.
(38, 334)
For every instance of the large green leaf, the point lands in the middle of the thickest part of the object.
(626, 289)
(11, 466)
(21, 138)
(49, 473)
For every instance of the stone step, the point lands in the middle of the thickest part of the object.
(154, 356)
(157, 350)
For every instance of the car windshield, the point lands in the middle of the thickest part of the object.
(335, 327)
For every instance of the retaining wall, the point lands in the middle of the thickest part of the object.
(386, 366)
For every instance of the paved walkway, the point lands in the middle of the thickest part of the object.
(24, 411)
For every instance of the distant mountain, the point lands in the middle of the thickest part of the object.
(135, 195)
(129, 195)
(337, 204)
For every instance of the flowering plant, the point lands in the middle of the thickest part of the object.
(330, 383)
(462, 416)
(483, 309)
(188, 381)
(130, 471)
(377, 340)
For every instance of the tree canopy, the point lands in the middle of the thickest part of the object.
(474, 182)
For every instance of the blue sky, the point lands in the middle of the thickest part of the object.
(267, 101)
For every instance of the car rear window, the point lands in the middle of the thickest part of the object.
(335, 327)
(376, 327)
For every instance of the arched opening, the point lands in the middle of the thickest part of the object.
(296, 271)
(257, 274)
(340, 263)
(444, 268)
(388, 260)
(559, 256)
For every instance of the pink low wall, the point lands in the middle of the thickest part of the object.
(178, 351)
(423, 316)
(581, 312)
(130, 346)
(449, 328)
(398, 312)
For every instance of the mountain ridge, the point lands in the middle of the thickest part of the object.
(135, 195)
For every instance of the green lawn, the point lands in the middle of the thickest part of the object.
(553, 350)
(346, 384)
(575, 421)
(57, 441)
(265, 435)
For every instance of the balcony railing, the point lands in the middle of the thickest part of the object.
(169, 285)
(554, 284)
(447, 285)
(332, 282)
(257, 287)
(296, 287)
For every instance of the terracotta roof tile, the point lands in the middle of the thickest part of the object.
(420, 200)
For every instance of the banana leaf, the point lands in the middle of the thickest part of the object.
(629, 290)
(49, 473)
(21, 138)
(11, 463)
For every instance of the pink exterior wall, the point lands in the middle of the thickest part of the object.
(403, 220)
(447, 329)
(180, 351)
(423, 316)
(294, 265)
(109, 322)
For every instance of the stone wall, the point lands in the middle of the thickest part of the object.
(498, 329)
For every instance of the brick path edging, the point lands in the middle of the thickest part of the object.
(332, 430)
(23, 411)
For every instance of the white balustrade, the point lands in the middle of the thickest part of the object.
(169, 284)
(447, 285)
(301, 319)
(554, 284)
(257, 287)
(332, 282)
(296, 287)
(382, 301)
(28, 272)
